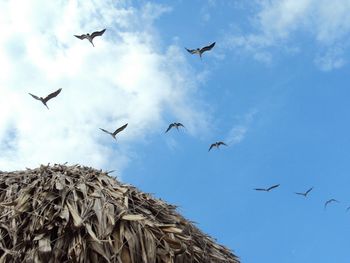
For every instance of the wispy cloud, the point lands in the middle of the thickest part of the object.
(238, 131)
(277, 26)
(125, 78)
(332, 59)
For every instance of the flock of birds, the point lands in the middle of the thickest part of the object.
(305, 194)
(198, 51)
(176, 125)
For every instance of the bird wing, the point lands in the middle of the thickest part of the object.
(120, 129)
(81, 36)
(52, 95)
(192, 51)
(207, 48)
(329, 201)
(308, 191)
(98, 33)
(105, 131)
(222, 143)
(35, 97)
(170, 126)
(180, 124)
(211, 146)
(326, 203)
(260, 189)
(272, 187)
(300, 193)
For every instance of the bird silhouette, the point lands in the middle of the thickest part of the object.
(267, 189)
(91, 37)
(306, 193)
(347, 209)
(176, 125)
(217, 144)
(200, 51)
(47, 98)
(113, 134)
(330, 201)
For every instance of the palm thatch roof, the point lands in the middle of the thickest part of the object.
(78, 214)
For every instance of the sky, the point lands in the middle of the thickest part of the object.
(275, 88)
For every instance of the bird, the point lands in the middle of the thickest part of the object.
(113, 134)
(217, 144)
(306, 193)
(200, 51)
(91, 37)
(347, 209)
(176, 125)
(330, 201)
(47, 98)
(267, 189)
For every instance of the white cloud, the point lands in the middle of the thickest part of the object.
(124, 78)
(279, 24)
(332, 59)
(239, 130)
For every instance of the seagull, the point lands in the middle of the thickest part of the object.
(176, 125)
(267, 189)
(330, 201)
(217, 144)
(306, 193)
(91, 37)
(200, 51)
(47, 98)
(113, 134)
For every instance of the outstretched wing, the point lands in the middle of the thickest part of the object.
(260, 189)
(81, 37)
(98, 33)
(207, 48)
(326, 203)
(272, 187)
(329, 201)
(191, 51)
(308, 191)
(300, 193)
(52, 95)
(222, 143)
(35, 97)
(211, 146)
(170, 126)
(120, 129)
(180, 124)
(105, 131)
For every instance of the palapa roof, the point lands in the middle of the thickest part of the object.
(78, 214)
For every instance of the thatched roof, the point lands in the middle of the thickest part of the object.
(78, 214)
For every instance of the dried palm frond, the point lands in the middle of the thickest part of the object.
(78, 214)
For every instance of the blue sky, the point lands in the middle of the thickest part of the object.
(275, 88)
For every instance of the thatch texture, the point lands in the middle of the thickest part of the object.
(78, 214)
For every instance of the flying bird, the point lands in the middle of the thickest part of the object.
(200, 51)
(330, 201)
(176, 125)
(113, 134)
(47, 98)
(267, 189)
(306, 193)
(347, 209)
(217, 144)
(91, 37)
